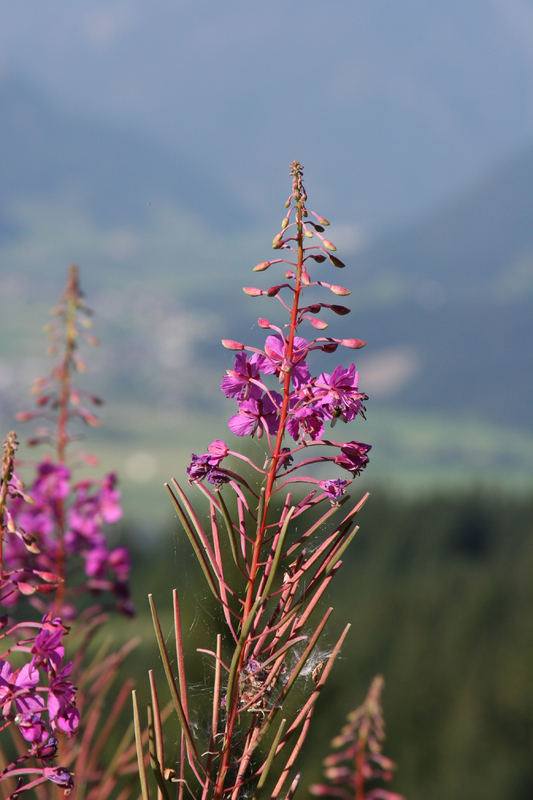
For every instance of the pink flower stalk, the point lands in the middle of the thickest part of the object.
(268, 556)
(356, 771)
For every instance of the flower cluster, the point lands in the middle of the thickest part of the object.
(86, 506)
(47, 534)
(39, 697)
(307, 403)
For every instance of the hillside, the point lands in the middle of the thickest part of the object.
(443, 302)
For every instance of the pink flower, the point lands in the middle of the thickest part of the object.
(255, 416)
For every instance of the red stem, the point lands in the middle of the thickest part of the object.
(254, 568)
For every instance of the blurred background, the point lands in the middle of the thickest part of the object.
(150, 143)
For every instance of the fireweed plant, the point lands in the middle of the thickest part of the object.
(56, 562)
(267, 556)
(358, 769)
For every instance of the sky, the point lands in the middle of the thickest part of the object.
(391, 106)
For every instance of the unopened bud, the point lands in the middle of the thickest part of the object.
(323, 220)
(252, 291)
(353, 344)
(319, 258)
(289, 274)
(276, 241)
(308, 234)
(319, 228)
(328, 245)
(305, 278)
(284, 223)
(262, 266)
(337, 262)
(340, 290)
(263, 323)
(341, 310)
(272, 291)
(229, 344)
(319, 324)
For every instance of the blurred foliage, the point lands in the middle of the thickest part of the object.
(439, 593)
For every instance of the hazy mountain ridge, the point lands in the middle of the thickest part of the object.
(444, 302)
(110, 172)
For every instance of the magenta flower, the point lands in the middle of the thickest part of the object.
(19, 687)
(33, 729)
(334, 488)
(307, 421)
(338, 393)
(63, 713)
(353, 457)
(285, 457)
(206, 465)
(96, 559)
(52, 481)
(59, 775)
(120, 562)
(48, 650)
(46, 749)
(275, 359)
(109, 499)
(256, 415)
(237, 381)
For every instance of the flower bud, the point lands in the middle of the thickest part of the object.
(328, 245)
(319, 258)
(341, 310)
(340, 290)
(252, 291)
(319, 324)
(353, 344)
(284, 223)
(229, 344)
(218, 448)
(308, 234)
(336, 261)
(263, 323)
(24, 416)
(276, 241)
(272, 291)
(306, 280)
(323, 220)
(262, 266)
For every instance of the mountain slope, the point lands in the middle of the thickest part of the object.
(112, 173)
